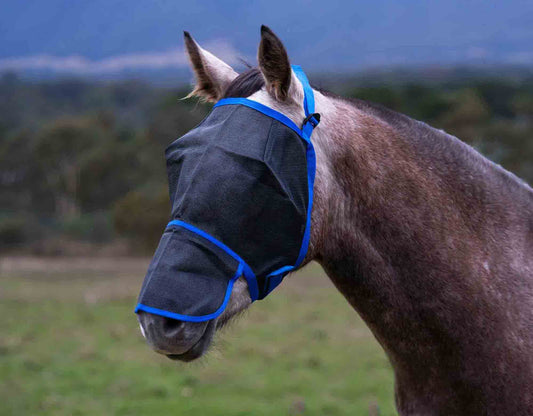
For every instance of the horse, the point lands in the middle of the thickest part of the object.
(429, 242)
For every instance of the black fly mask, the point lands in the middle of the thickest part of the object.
(241, 187)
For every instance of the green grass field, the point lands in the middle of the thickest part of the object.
(70, 345)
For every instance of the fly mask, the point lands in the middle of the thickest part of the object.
(241, 187)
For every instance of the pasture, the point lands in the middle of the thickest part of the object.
(70, 345)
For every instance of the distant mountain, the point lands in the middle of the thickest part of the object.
(110, 37)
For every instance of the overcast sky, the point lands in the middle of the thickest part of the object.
(106, 36)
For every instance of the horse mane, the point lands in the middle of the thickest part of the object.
(426, 137)
(251, 81)
(436, 144)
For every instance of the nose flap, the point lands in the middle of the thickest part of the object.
(189, 278)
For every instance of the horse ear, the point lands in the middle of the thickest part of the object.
(212, 74)
(274, 64)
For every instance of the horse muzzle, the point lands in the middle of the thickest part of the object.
(178, 340)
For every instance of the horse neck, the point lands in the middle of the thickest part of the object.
(405, 232)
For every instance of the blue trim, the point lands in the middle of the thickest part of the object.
(309, 97)
(309, 108)
(274, 281)
(192, 318)
(282, 118)
(248, 273)
(179, 223)
(253, 287)
(284, 269)
(311, 171)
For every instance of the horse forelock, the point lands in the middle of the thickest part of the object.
(246, 84)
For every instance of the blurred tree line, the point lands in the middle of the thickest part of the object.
(82, 161)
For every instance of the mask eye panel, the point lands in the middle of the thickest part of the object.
(240, 201)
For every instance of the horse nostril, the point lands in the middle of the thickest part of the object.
(172, 327)
(155, 326)
(170, 336)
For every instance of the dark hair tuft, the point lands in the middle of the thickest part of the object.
(245, 84)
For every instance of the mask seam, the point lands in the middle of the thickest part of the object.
(268, 147)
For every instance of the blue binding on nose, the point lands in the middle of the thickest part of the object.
(189, 318)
